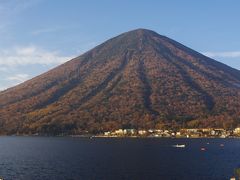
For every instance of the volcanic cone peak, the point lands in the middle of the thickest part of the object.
(138, 79)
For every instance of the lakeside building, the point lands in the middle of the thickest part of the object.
(192, 132)
(206, 132)
(142, 132)
(129, 131)
(121, 132)
(236, 131)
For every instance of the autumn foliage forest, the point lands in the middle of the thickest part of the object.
(138, 79)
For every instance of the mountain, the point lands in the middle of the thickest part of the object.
(138, 79)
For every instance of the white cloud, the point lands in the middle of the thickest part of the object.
(3, 87)
(30, 55)
(22, 63)
(12, 80)
(226, 54)
(18, 78)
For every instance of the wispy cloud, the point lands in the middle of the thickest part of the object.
(15, 6)
(12, 80)
(19, 64)
(30, 55)
(44, 30)
(10, 10)
(225, 54)
(3, 87)
(18, 77)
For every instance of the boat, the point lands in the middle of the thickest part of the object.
(179, 145)
(203, 149)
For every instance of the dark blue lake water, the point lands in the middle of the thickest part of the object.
(65, 158)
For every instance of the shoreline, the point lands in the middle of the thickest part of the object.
(119, 137)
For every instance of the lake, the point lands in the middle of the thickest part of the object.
(66, 158)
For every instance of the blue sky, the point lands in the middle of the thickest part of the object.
(37, 35)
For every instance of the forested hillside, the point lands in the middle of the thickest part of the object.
(138, 79)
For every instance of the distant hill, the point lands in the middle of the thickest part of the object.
(138, 79)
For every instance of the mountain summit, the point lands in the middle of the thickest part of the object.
(138, 79)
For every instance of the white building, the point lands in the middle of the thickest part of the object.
(129, 131)
(236, 130)
(108, 133)
(142, 132)
(119, 132)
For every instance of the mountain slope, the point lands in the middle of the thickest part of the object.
(138, 79)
